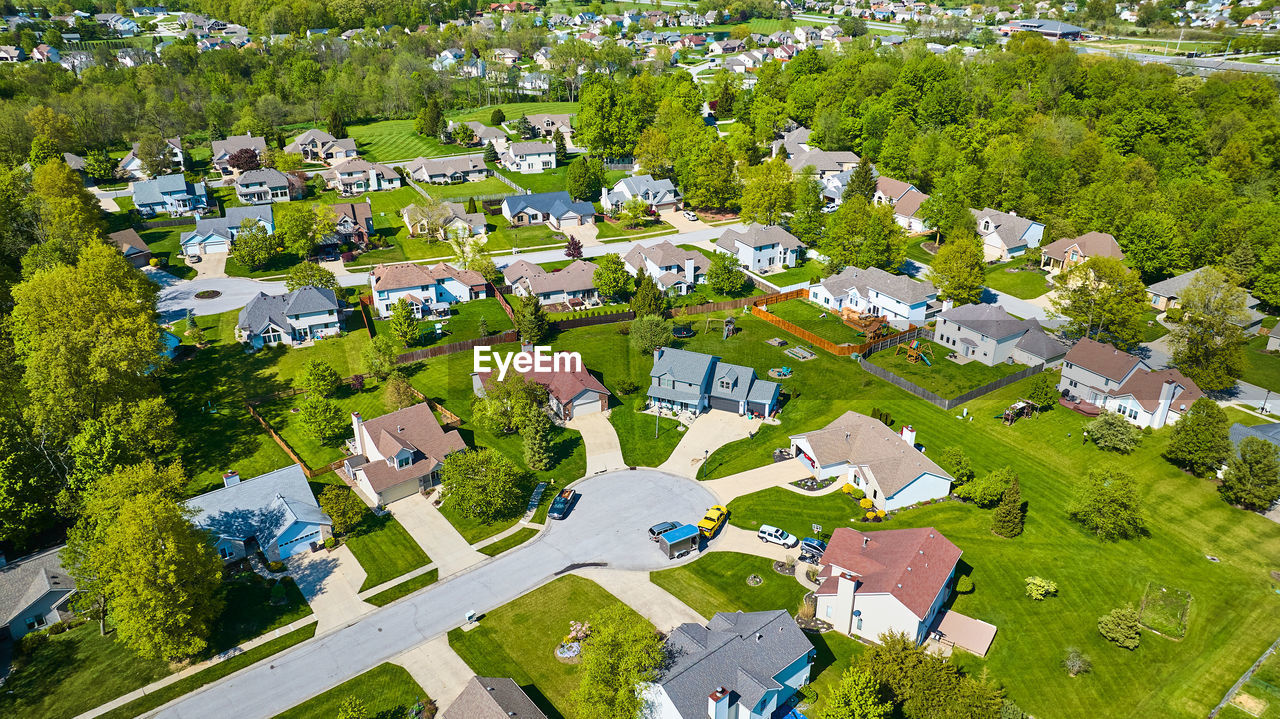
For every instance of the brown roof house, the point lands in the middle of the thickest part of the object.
(1097, 376)
(426, 289)
(570, 393)
(492, 698)
(884, 464)
(132, 247)
(674, 269)
(400, 453)
(352, 222)
(574, 285)
(1062, 255)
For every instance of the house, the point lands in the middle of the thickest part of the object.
(448, 170)
(1165, 295)
(1005, 235)
(573, 285)
(1054, 29)
(400, 453)
(275, 512)
(894, 580)
(1061, 255)
(569, 393)
(484, 134)
(320, 146)
(990, 335)
(726, 46)
(34, 593)
(224, 149)
(506, 56)
(457, 223)
(492, 698)
(9, 53)
(900, 299)
(824, 162)
(294, 318)
(44, 53)
(448, 58)
(1268, 432)
(889, 191)
(426, 289)
(673, 269)
(658, 195)
(906, 211)
(131, 246)
(216, 234)
(1097, 376)
(555, 209)
(547, 124)
(131, 166)
(793, 142)
(355, 175)
(760, 248)
(529, 156)
(696, 382)
(171, 194)
(265, 186)
(741, 665)
(353, 222)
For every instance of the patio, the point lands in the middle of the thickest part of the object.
(953, 629)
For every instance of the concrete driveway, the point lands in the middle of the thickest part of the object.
(175, 300)
(607, 529)
(648, 599)
(588, 235)
(781, 474)
(710, 431)
(448, 549)
(211, 266)
(603, 450)
(438, 669)
(734, 539)
(676, 219)
(330, 582)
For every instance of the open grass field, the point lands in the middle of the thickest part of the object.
(511, 541)
(387, 690)
(717, 582)
(1261, 367)
(513, 110)
(393, 140)
(370, 402)
(635, 430)
(1022, 283)
(944, 377)
(817, 319)
(464, 324)
(385, 550)
(519, 639)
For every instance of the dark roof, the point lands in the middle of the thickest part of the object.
(492, 698)
(26, 580)
(268, 176)
(1102, 359)
(275, 309)
(758, 235)
(990, 320)
(682, 365)
(555, 204)
(1268, 432)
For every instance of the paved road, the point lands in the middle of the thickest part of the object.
(606, 528)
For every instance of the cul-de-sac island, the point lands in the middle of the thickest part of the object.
(651, 359)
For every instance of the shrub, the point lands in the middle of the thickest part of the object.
(854, 493)
(357, 382)
(1113, 433)
(343, 507)
(1076, 662)
(987, 491)
(1038, 588)
(330, 542)
(154, 262)
(58, 628)
(865, 502)
(278, 593)
(626, 386)
(275, 567)
(964, 585)
(1174, 314)
(31, 643)
(1121, 627)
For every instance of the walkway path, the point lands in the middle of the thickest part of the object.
(434, 533)
(710, 431)
(648, 599)
(601, 440)
(781, 474)
(437, 669)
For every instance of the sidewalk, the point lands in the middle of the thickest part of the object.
(434, 533)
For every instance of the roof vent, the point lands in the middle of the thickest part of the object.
(866, 541)
(399, 428)
(489, 688)
(899, 586)
(759, 637)
(230, 478)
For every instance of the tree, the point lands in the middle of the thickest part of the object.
(318, 378)
(865, 235)
(957, 271)
(1044, 392)
(857, 696)
(253, 247)
(379, 356)
(766, 192)
(988, 491)
(472, 207)
(353, 707)
(400, 392)
(427, 217)
(1111, 432)
(403, 324)
(524, 128)
(531, 320)
(573, 248)
(711, 180)
(1252, 479)
(310, 274)
(429, 119)
(1200, 442)
(1102, 299)
(648, 299)
(99, 166)
(611, 277)
(623, 653)
(807, 222)
(584, 178)
(334, 123)
(43, 149)
(343, 507)
(562, 152)
(481, 484)
(1009, 516)
(1039, 588)
(1076, 663)
(497, 117)
(508, 402)
(862, 183)
(958, 461)
(490, 152)
(724, 276)
(1122, 627)
(300, 227)
(463, 134)
(321, 418)
(1107, 504)
(155, 153)
(285, 162)
(633, 212)
(1208, 344)
(244, 159)
(924, 684)
(485, 265)
(535, 430)
(648, 333)
(853, 26)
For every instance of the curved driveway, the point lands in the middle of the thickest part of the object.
(605, 529)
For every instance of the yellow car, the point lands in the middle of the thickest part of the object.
(711, 523)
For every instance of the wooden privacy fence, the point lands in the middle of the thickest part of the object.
(171, 222)
(839, 350)
(311, 473)
(945, 402)
(454, 347)
(506, 307)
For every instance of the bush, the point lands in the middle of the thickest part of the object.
(1076, 662)
(626, 386)
(31, 643)
(278, 593)
(854, 493)
(1121, 627)
(154, 262)
(865, 502)
(1038, 588)
(964, 585)
(275, 567)
(987, 491)
(330, 542)
(58, 628)
(1174, 314)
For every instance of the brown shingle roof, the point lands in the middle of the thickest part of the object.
(413, 428)
(492, 698)
(1102, 359)
(392, 277)
(909, 204)
(861, 440)
(564, 386)
(1146, 387)
(1091, 244)
(911, 564)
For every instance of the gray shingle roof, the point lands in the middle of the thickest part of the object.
(682, 365)
(222, 226)
(492, 698)
(758, 235)
(555, 204)
(275, 308)
(990, 320)
(1008, 228)
(261, 507)
(654, 192)
(1269, 432)
(900, 287)
(151, 192)
(268, 176)
(24, 581)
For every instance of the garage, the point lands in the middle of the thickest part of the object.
(757, 407)
(213, 246)
(299, 545)
(724, 403)
(586, 403)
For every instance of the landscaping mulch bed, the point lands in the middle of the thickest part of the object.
(810, 484)
(786, 570)
(930, 247)
(208, 295)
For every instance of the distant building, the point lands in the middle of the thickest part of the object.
(1097, 376)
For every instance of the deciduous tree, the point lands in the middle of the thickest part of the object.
(1252, 479)
(611, 277)
(321, 418)
(957, 271)
(379, 356)
(573, 249)
(1102, 299)
(766, 192)
(310, 274)
(857, 696)
(584, 178)
(155, 153)
(481, 484)
(648, 333)
(300, 227)
(245, 159)
(1208, 344)
(253, 247)
(988, 490)
(1122, 627)
(725, 277)
(1108, 505)
(1200, 442)
(864, 235)
(1113, 433)
(622, 654)
(807, 222)
(400, 393)
(507, 402)
(343, 507)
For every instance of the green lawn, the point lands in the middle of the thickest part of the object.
(817, 319)
(636, 433)
(1260, 367)
(391, 140)
(404, 589)
(513, 111)
(519, 639)
(944, 377)
(385, 550)
(511, 541)
(546, 181)
(794, 512)
(717, 582)
(836, 653)
(916, 252)
(1152, 330)
(502, 236)
(1264, 685)
(464, 324)
(249, 613)
(387, 690)
(1248, 419)
(164, 243)
(315, 452)
(1163, 609)
(1024, 284)
(608, 230)
(805, 271)
(460, 192)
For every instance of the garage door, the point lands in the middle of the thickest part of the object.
(299, 545)
(215, 246)
(725, 404)
(587, 403)
(756, 407)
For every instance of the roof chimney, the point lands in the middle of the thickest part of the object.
(865, 541)
(230, 478)
(718, 704)
(356, 422)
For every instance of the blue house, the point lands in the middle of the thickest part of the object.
(694, 382)
(275, 512)
(216, 234)
(741, 665)
(171, 194)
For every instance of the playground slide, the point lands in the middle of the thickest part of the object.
(926, 360)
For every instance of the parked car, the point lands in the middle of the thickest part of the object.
(662, 528)
(562, 504)
(773, 535)
(811, 550)
(690, 216)
(714, 519)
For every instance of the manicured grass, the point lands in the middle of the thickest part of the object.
(511, 541)
(404, 589)
(460, 192)
(464, 324)
(278, 265)
(519, 639)
(836, 653)
(513, 111)
(717, 582)
(1025, 284)
(805, 271)
(606, 230)
(370, 402)
(1164, 610)
(391, 140)
(916, 252)
(164, 243)
(502, 236)
(552, 180)
(816, 319)
(1248, 419)
(387, 690)
(385, 550)
(1261, 368)
(795, 512)
(636, 433)
(944, 377)
(1152, 330)
(705, 295)
(249, 613)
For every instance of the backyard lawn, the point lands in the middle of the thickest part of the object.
(384, 549)
(387, 691)
(635, 432)
(391, 140)
(1261, 368)
(370, 402)
(1022, 283)
(461, 191)
(836, 653)
(916, 252)
(819, 320)
(944, 377)
(464, 324)
(1264, 685)
(717, 582)
(519, 639)
(804, 271)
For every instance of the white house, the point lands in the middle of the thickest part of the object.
(216, 234)
(991, 336)
(400, 453)
(131, 167)
(658, 195)
(1097, 376)
(1005, 235)
(695, 382)
(761, 248)
(426, 289)
(356, 175)
(573, 285)
(901, 299)
(884, 464)
(569, 393)
(529, 156)
(672, 268)
(906, 212)
(276, 511)
(305, 314)
(34, 593)
(224, 149)
(894, 580)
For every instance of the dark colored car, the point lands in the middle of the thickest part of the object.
(562, 504)
(811, 550)
(662, 528)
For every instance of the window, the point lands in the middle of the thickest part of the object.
(859, 623)
(1072, 383)
(402, 462)
(224, 552)
(35, 622)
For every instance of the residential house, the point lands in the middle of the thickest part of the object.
(34, 593)
(266, 185)
(9, 53)
(131, 246)
(484, 134)
(117, 23)
(990, 335)
(294, 318)
(492, 698)
(1063, 254)
(275, 512)
(906, 212)
(426, 289)
(448, 170)
(44, 53)
(457, 223)
(900, 299)
(658, 195)
(1005, 235)
(673, 269)
(543, 57)
(1268, 432)
(573, 285)
(1166, 294)
(696, 382)
(216, 234)
(761, 248)
(400, 453)
(894, 580)
(356, 175)
(448, 58)
(1097, 376)
(555, 209)
(529, 156)
(320, 146)
(888, 466)
(353, 223)
(889, 191)
(546, 125)
(534, 82)
(792, 142)
(569, 393)
(726, 46)
(506, 56)
(824, 162)
(224, 149)
(740, 665)
(131, 166)
(171, 194)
